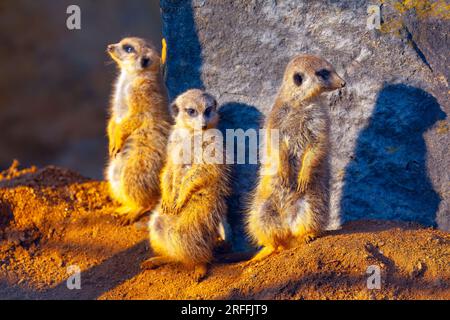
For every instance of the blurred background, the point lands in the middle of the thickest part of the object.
(55, 83)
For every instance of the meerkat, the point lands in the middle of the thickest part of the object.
(191, 216)
(290, 203)
(138, 128)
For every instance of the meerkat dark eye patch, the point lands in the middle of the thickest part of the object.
(323, 73)
(145, 62)
(298, 79)
(191, 112)
(128, 48)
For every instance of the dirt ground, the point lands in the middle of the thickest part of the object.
(52, 218)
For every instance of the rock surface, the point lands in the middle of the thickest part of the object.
(390, 154)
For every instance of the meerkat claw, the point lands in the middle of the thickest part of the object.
(200, 273)
(131, 217)
(308, 238)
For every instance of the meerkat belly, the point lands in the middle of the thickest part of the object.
(114, 173)
(299, 215)
(120, 108)
(115, 169)
(292, 205)
(294, 146)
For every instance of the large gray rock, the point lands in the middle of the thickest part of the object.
(390, 143)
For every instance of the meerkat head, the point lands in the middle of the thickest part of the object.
(308, 76)
(135, 55)
(195, 110)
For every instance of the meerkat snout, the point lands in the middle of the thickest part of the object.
(329, 79)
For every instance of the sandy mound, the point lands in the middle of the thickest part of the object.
(52, 218)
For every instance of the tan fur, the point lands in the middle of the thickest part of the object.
(138, 129)
(291, 205)
(188, 222)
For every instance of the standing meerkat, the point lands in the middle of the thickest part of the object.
(138, 128)
(190, 219)
(290, 203)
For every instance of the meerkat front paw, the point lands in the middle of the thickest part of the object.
(176, 208)
(303, 181)
(165, 208)
(114, 149)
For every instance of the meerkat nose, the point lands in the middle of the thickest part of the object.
(110, 47)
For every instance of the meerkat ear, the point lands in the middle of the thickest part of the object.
(145, 62)
(174, 109)
(211, 100)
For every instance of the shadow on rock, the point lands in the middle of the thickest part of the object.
(184, 51)
(239, 116)
(387, 177)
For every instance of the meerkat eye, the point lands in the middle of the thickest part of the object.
(191, 112)
(298, 79)
(324, 74)
(127, 48)
(208, 111)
